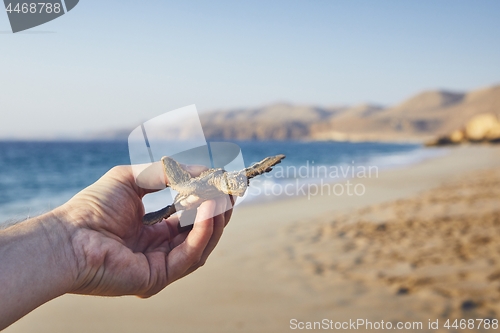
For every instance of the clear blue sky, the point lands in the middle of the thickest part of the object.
(111, 64)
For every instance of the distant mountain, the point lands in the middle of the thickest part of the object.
(274, 122)
(421, 115)
(420, 118)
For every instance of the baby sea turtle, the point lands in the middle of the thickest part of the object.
(212, 183)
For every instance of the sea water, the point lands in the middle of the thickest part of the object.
(36, 177)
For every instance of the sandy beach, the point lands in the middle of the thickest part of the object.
(421, 244)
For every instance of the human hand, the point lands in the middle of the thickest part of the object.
(115, 254)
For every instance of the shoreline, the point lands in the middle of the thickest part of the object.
(265, 270)
(348, 173)
(19, 203)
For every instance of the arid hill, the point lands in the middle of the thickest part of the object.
(424, 116)
(275, 122)
(421, 118)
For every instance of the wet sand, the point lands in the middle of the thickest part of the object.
(422, 243)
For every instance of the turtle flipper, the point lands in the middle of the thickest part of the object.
(158, 216)
(263, 166)
(174, 172)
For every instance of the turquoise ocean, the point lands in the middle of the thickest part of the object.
(38, 176)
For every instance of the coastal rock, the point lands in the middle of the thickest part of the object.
(481, 128)
(457, 136)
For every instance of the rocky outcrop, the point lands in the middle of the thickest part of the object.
(481, 128)
(485, 127)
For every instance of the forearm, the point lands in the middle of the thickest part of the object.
(37, 264)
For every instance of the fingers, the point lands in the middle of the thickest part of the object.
(150, 177)
(189, 253)
(189, 250)
(219, 224)
(171, 231)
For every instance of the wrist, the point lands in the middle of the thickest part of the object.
(77, 245)
(59, 233)
(37, 264)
